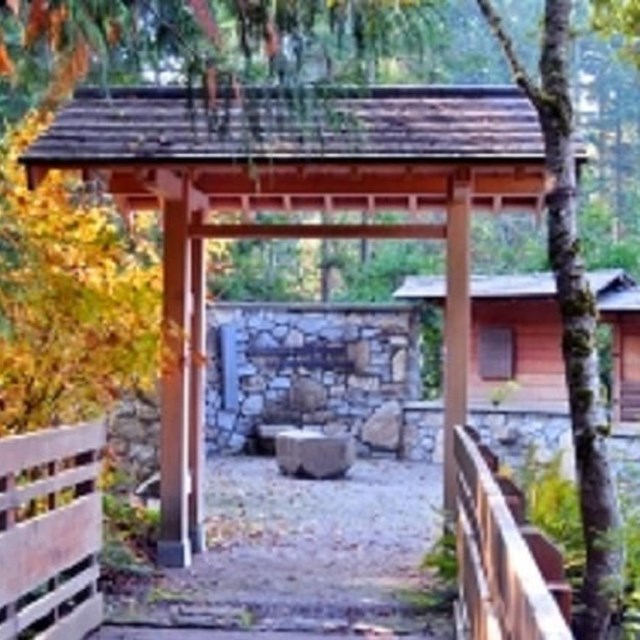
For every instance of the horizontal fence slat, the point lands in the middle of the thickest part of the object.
(82, 620)
(36, 550)
(31, 449)
(62, 480)
(50, 601)
(9, 629)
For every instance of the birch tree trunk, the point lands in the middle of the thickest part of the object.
(601, 585)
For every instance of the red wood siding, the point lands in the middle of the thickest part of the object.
(629, 368)
(538, 365)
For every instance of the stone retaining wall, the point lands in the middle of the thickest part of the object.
(510, 433)
(336, 369)
(332, 368)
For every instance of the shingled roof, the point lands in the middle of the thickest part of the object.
(528, 285)
(136, 125)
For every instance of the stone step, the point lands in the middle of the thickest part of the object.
(335, 619)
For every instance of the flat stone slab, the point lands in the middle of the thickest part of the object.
(307, 454)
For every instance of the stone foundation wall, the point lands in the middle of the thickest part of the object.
(510, 433)
(332, 368)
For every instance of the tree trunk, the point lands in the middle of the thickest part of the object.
(598, 500)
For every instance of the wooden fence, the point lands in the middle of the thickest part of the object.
(50, 533)
(511, 577)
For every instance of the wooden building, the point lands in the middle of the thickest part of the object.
(516, 337)
(621, 310)
(450, 150)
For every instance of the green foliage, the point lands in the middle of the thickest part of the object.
(553, 505)
(431, 349)
(508, 243)
(130, 536)
(443, 561)
(391, 261)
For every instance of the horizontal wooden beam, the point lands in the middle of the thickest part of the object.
(304, 231)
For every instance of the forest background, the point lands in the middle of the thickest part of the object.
(429, 42)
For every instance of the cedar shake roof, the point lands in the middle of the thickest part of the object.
(530, 285)
(409, 123)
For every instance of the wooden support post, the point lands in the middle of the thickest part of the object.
(457, 324)
(197, 390)
(174, 548)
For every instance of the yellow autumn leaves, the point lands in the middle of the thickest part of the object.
(79, 298)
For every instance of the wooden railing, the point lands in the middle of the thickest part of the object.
(50, 533)
(511, 577)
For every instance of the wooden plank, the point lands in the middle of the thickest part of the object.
(9, 629)
(52, 600)
(62, 480)
(301, 231)
(34, 551)
(79, 623)
(174, 547)
(29, 450)
(483, 623)
(457, 327)
(197, 375)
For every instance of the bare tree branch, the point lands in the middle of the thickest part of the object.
(520, 75)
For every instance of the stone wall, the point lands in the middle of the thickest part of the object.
(134, 438)
(333, 368)
(510, 433)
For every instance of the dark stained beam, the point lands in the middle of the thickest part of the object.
(299, 231)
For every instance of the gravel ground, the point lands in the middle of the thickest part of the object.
(304, 556)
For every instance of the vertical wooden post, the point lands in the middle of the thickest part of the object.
(457, 323)
(174, 548)
(197, 389)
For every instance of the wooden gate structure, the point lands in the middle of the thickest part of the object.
(448, 150)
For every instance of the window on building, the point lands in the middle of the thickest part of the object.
(496, 353)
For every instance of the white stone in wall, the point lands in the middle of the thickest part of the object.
(280, 383)
(253, 384)
(265, 340)
(226, 420)
(247, 369)
(382, 429)
(253, 405)
(307, 394)
(280, 332)
(399, 341)
(364, 383)
(399, 366)
(335, 428)
(294, 339)
(438, 447)
(236, 443)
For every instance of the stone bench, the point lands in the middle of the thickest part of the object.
(310, 454)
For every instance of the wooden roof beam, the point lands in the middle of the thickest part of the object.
(36, 175)
(305, 231)
(169, 185)
(295, 183)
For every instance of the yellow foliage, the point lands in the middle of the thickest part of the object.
(79, 298)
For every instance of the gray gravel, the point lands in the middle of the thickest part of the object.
(305, 557)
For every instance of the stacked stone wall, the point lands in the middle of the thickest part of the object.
(331, 368)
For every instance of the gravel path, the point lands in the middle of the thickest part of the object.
(305, 556)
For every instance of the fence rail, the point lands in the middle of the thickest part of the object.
(511, 578)
(50, 533)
